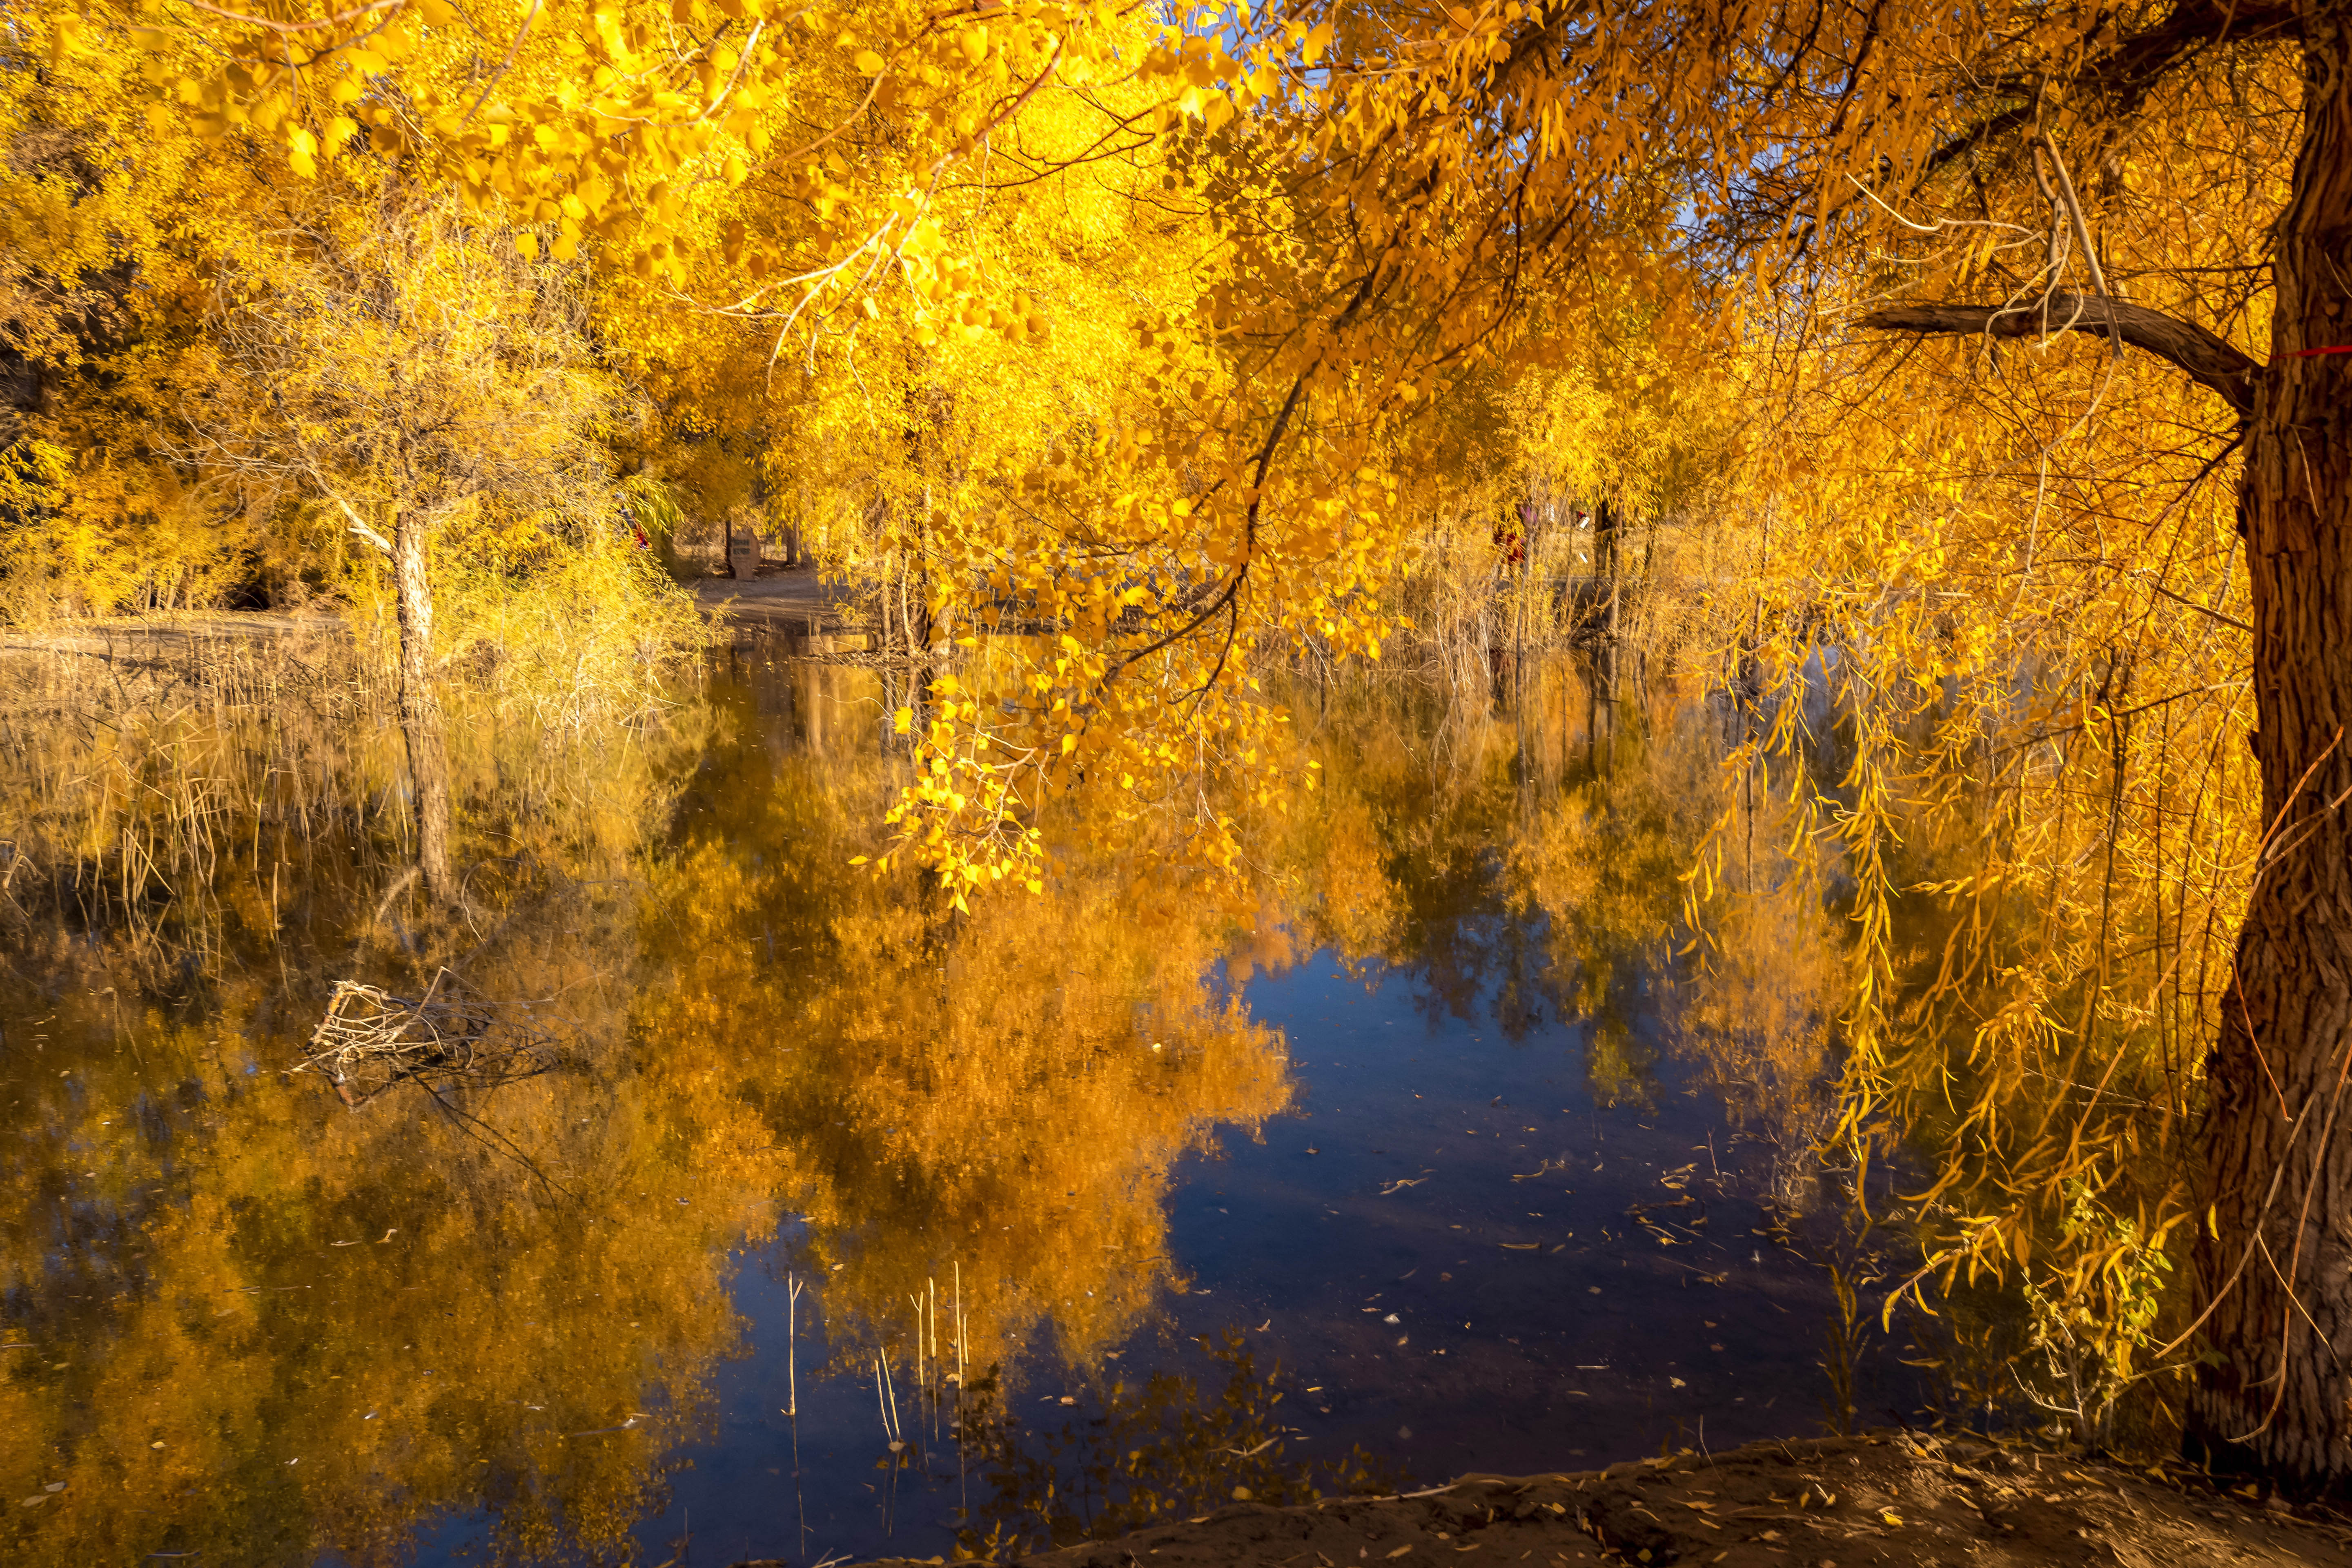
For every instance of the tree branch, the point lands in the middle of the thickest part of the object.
(2121, 79)
(2208, 359)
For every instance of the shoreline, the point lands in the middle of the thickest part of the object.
(1834, 1502)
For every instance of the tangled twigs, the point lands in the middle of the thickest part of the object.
(370, 1040)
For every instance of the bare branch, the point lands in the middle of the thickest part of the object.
(2208, 359)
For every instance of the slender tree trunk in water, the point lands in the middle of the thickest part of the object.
(1616, 579)
(2278, 1131)
(420, 709)
(1604, 565)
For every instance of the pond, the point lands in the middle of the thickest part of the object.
(843, 1225)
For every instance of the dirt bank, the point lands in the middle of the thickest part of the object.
(1847, 1502)
(165, 633)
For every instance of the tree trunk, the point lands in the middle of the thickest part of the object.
(1616, 532)
(420, 709)
(2277, 1277)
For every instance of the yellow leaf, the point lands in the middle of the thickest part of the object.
(867, 63)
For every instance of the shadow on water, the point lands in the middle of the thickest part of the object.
(841, 1224)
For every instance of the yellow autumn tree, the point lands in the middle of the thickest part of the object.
(2118, 227)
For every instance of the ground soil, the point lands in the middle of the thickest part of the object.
(1891, 1498)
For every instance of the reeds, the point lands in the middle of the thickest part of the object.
(142, 772)
(935, 1388)
(173, 781)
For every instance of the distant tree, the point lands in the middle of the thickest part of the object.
(395, 360)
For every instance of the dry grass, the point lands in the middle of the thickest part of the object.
(178, 783)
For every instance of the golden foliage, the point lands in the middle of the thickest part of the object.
(1126, 357)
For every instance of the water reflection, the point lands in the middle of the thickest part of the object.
(245, 1322)
(1097, 1206)
(1144, 1452)
(993, 1099)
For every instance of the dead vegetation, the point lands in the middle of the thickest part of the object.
(371, 1041)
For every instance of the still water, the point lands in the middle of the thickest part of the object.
(845, 1226)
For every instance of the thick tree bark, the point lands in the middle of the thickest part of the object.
(2274, 1259)
(2276, 1271)
(420, 707)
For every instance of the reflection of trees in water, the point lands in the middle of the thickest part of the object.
(998, 1097)
(337, 1325)
(280, 1326)
(1393, 862)
(1535, 854)
(1530, 859)
(1148, 1452)
(285, 1327)
(298, 1328)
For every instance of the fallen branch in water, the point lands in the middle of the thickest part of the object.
(370, 1040)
